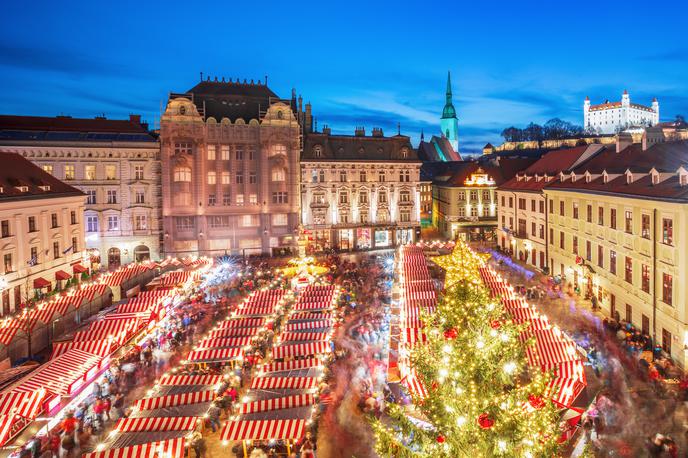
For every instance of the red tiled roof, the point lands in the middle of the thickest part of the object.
(16, 171)
(69, 124)
(664, 157)
(549, 164)
(670, 188)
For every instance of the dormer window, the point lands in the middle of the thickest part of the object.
(23, 188)
(45, 187)
(683, 180)
(629, 178)
(655, 178)
(317, 151)
(573, 177)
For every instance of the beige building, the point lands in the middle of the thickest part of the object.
(359, 192)
(116, 163)
(41, 232)
(230, 170)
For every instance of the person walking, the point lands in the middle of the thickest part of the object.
(214, 416)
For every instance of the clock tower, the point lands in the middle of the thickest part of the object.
(449, 122)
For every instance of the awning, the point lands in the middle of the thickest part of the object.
(119, 330)
(292, 365)
(60, 375)
(214, 354)
(233, 332)
(241, 323)
(222, 342)
(190, 380)
(296, 383)
(256, 309)
(173, 448)
(301, 336)
(62, 275)
(24, 404)
(301, 349)
(263, 430)
(100, 348)
(78, 269)
(40, 282)
(175, 400)
(286, 402)
(155, 424)
(308, 325)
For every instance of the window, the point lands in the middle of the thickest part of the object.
(551, 236)
(561, 208)
(182, 174)
(34, 255)
(461, 195)
(224, 152)
(5, 225)
(225, 178)
(561, 240)
(575, 210)
(343, 218)
(212, 178)
(219, 221)
(628, 218)
(533, 229)
(279, 219)
(600, 216)
(474, 211)
(588, 250)
(252, 178)
(551, 206)
(183, 148)
(405, 196)
(7, 262)
(112, 196)
(89, 172)
(53, 220)
(279, 197)
(343, 197)
(251, 155)
(629, 313)
(575, 244)
(342, 176)
(68, 172)
(588, 214)
(542, 231)
(48, 168)
(318, 198)
(503, 202)
(226, 199)
(405, 176)
(405, 216)
(382, 197)
(240, 178)
(279, 149)
(32, 224)
(239, 154)
(74, 245)
(645, 275)
(185, 223)
(212, 200)
(381, 176)
(667, 231)
(667, 288)
(612, 218)
(629, 270)
(113, 223)
(364, 217)
(363, 197)
(462, 211)
(248, 220)
(240, 199)
(91, 223)
(72, 217)
(90, 196)
(612, 262)
(600, 255)
(140, 223)
(532, 202)
(362, 177)
(138, 172)
(56, 250)
(666, 341)
(511, 202)
(253, 199)
(278, 174)
(110, 172)
(542, 206)
(645, 226)
(212, 151)
(140, 196)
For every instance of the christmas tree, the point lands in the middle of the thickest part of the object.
(482, 400)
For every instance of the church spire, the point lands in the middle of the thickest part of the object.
(449, 94)
(449, 111)
(449, 122)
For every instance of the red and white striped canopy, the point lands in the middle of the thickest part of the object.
(564, 391)
(411, 322)
(257, 309)
(540, 323)
(522, 314)
(155, 424)
(8, 330)
(190, 379)
(242, 322)
(301, 349)
(414, 386)
(292, 365)
(60, 374)
(6, 423)
(233, 332)
(100, 348)
(568, 369)
(311, 315)
(313, 305)
(270, 383)
(221, 342)
(172, 448)
(144, 304)
(414, 336)
(299, 336)
(286, 402)
(89, 292)
(215, 354)
(119, 330)
(308, 325)
(263, 430)
(22, 403)
(175, 400)
(548, 352)
(117, 278)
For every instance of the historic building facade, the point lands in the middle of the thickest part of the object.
(612, 117)
(230, 169)
(41, 232)
(358, 191)
(116, 163)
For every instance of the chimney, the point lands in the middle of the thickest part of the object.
(377, 132)
(623, 141)
(308, 118)
(360, 131)
(135, 119)
(326, 129)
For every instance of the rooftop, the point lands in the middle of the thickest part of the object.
(22, 179)
(327, 147)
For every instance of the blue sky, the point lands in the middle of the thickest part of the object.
(359, 63)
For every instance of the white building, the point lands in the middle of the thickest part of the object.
(116, 163)
(612, 117)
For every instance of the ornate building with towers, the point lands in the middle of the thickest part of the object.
(230, 168)
(612, 117)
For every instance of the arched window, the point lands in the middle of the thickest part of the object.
(182, 174)
(278, 149)
(278, 174)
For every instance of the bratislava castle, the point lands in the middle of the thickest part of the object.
(612, 117)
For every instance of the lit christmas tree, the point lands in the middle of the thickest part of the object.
(482, 400)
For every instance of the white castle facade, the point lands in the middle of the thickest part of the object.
(612, 117)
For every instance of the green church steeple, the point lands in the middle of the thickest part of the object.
(449, 123)
(449, 111)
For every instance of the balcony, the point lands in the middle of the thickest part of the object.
(316, 204)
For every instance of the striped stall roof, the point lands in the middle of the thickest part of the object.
(220, 342)
(172, 448)
(215, 354)
(292, 365)
(308, 325)
(286, 402)
(156, 424)
(299, 336)
(59, 374)
(233, 332)
(257, 309)
(241, 323)
(270, 383)
(8, 330)
(301, 349)
(171, 400)
(103, 329)
(22, 403)
(311, 315)
(101, 347)
(263, 430)
(190, 380)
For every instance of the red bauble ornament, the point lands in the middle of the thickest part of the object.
(536, 402)
(451, 333)
(434, 385)
(495, 324)
(440, 439)
(485, 421)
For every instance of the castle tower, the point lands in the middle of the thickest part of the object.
(586, 110)
(449, 122)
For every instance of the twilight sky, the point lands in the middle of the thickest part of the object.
(359, 63)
